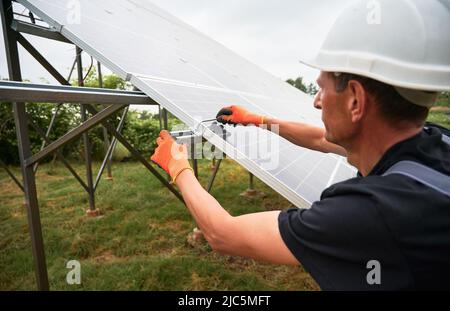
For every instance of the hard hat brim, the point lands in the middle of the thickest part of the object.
(419, 96)
(384, 70)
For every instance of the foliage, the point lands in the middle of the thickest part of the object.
(310, 89)
(141, 132)
(444, 99)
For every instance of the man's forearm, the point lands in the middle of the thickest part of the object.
(305, 135)
(209, 215)
(253, 235)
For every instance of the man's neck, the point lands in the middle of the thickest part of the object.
(373, 143)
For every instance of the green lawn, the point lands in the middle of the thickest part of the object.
(140, 241)
(440, 114)
(441, 117)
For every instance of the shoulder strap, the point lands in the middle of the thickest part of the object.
(423, 174)
(446, 139)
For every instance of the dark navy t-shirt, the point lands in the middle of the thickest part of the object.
(395, 220)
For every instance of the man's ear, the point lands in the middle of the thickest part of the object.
(357, 100)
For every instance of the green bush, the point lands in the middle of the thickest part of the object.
(141, 133)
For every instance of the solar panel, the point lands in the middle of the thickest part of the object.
(193, 77)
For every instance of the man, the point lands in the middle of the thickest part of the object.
(374, 99)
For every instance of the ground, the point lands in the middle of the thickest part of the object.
(140, 242)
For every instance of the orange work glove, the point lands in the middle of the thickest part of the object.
(170, 156)
(239, 115)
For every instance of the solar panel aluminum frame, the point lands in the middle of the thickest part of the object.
(75, 40)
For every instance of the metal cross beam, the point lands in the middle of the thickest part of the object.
(58, 152)
(75, 133)
(5, 167)
(39, 31)
(213, 176)
(41, 59)
(29, 92)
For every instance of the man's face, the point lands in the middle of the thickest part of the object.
(335, 115)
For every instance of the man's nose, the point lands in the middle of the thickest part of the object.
(318, 100)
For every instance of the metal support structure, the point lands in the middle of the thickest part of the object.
(27, 16)
(250, 182)
(22, 26)
(74, 133)
(19, 93)
(86, 141)
(11, 91)
(55, 113)
(59, 154)
(20, 118)
(251, 192)
(165, 120)
(41, 59)
(16, 181)
(50, 127)
(160, 118)
(107, 144)
(194, 157)
(47, 134)
(112, 146)
(165, 124)
(39, 31)
(213, 176)
(135, 153)
(88, 160)
(34, 221)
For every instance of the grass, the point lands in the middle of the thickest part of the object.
(441, 116)
(140, 241)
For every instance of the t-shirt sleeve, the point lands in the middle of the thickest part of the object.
(336, 238)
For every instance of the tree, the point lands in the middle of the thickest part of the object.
(310, 89)
(298, 83)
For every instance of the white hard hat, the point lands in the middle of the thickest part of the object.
(404, 43)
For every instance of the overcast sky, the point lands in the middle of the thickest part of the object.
(273, 34)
